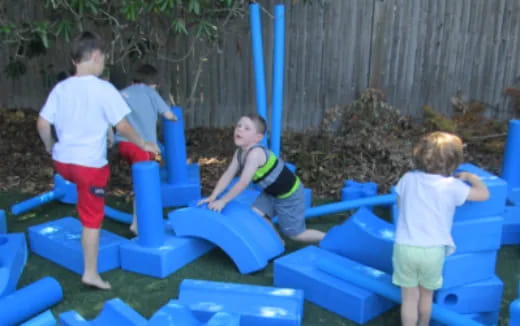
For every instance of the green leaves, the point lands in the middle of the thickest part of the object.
(64, 29)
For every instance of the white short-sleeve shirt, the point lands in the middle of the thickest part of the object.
(82, 109)
(427, 204)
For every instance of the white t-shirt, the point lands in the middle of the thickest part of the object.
(81, 110)
(427, 204)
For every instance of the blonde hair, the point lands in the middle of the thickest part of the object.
(438, 153)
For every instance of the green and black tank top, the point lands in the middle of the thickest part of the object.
(274, 177)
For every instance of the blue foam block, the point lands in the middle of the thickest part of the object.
(3, 222)
(472, 298)
(511, 226)
(496, 203)
(514, 313)
(13, 256)
(485, 318)
(60, 242)
(164, 260)
(176, 314)
(299, 270)
(245, 237)
(256, 305)
(29, 301)
(115, 312)
(370, 242)
(175, 195)
(46, 318)
(477, 234)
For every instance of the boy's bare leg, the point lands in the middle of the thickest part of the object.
(90, 243)
(259, 212)
(133, 226)
(309, 235)
(409, 306)
(425, 306)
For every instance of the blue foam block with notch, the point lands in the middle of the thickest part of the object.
(162, 261)
(256, 305)
(245, 236)
(496, 203)
(176, 314)
(299, 270)
(370, 242)
(13, 256)
(472, 298)
(60, 242)
(115, 312)
(511, 226)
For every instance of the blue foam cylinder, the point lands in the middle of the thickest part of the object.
(147, 187)
(3, 222)
(511, 162)
(118, 215)
(41, 199)
(30, 300)
(346, 205)
(258, 59)
(175, 148)
(390, 291)
(278, 63)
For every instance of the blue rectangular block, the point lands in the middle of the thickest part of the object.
(480, 296)
(175, 195)
(462, 269)
(256, 305)
(511, 226)
(164, 260)
(298, 270)
(478, 234)
(496, 203)
(13, 256)
(60, 242)
(485, 318)
(3, 222)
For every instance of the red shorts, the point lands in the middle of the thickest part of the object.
(133, 153)
(90, 183)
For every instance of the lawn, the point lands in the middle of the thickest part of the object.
(146, 294)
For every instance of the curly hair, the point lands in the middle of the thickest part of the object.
(438, 153)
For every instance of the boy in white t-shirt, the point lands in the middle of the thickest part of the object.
(427, 199)
(82, 108)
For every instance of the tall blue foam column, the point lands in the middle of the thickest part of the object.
(175, 148)
(258, 59)
(147, 188)
(278, 64)
(511, 163)
(30, 300)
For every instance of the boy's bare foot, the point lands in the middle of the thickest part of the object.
(96, 282)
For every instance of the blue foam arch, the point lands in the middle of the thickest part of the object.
(245, 237)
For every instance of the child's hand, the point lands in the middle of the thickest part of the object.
(151, 147)
(174, 117)
(217, 205)
(467, 176)
(205, 200)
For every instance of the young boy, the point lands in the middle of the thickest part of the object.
(82, 108)
(146, 104)
(283, 193)
(427, 200)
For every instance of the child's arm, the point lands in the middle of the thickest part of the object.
(223, 181)
(45, 132)
(478, 190)
(125, 129)
(254, 159)
(110, 137)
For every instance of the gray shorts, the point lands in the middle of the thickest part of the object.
(290, 211)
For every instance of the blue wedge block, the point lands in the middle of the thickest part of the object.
(496, 203)
(176, 314)
(60, 242)
(472, 298)
(46, 318)
(370, 242)
(299, 270)
(256, 305)
(245, 237)
(13, 256)
(511, 226)
(164, 260)
(115, 312)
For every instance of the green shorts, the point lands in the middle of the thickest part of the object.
(414, 266)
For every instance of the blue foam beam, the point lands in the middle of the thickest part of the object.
(350, 204)
(41, 199)
(390, 291)
(118, 215)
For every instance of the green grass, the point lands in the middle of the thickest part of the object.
(146, 294)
